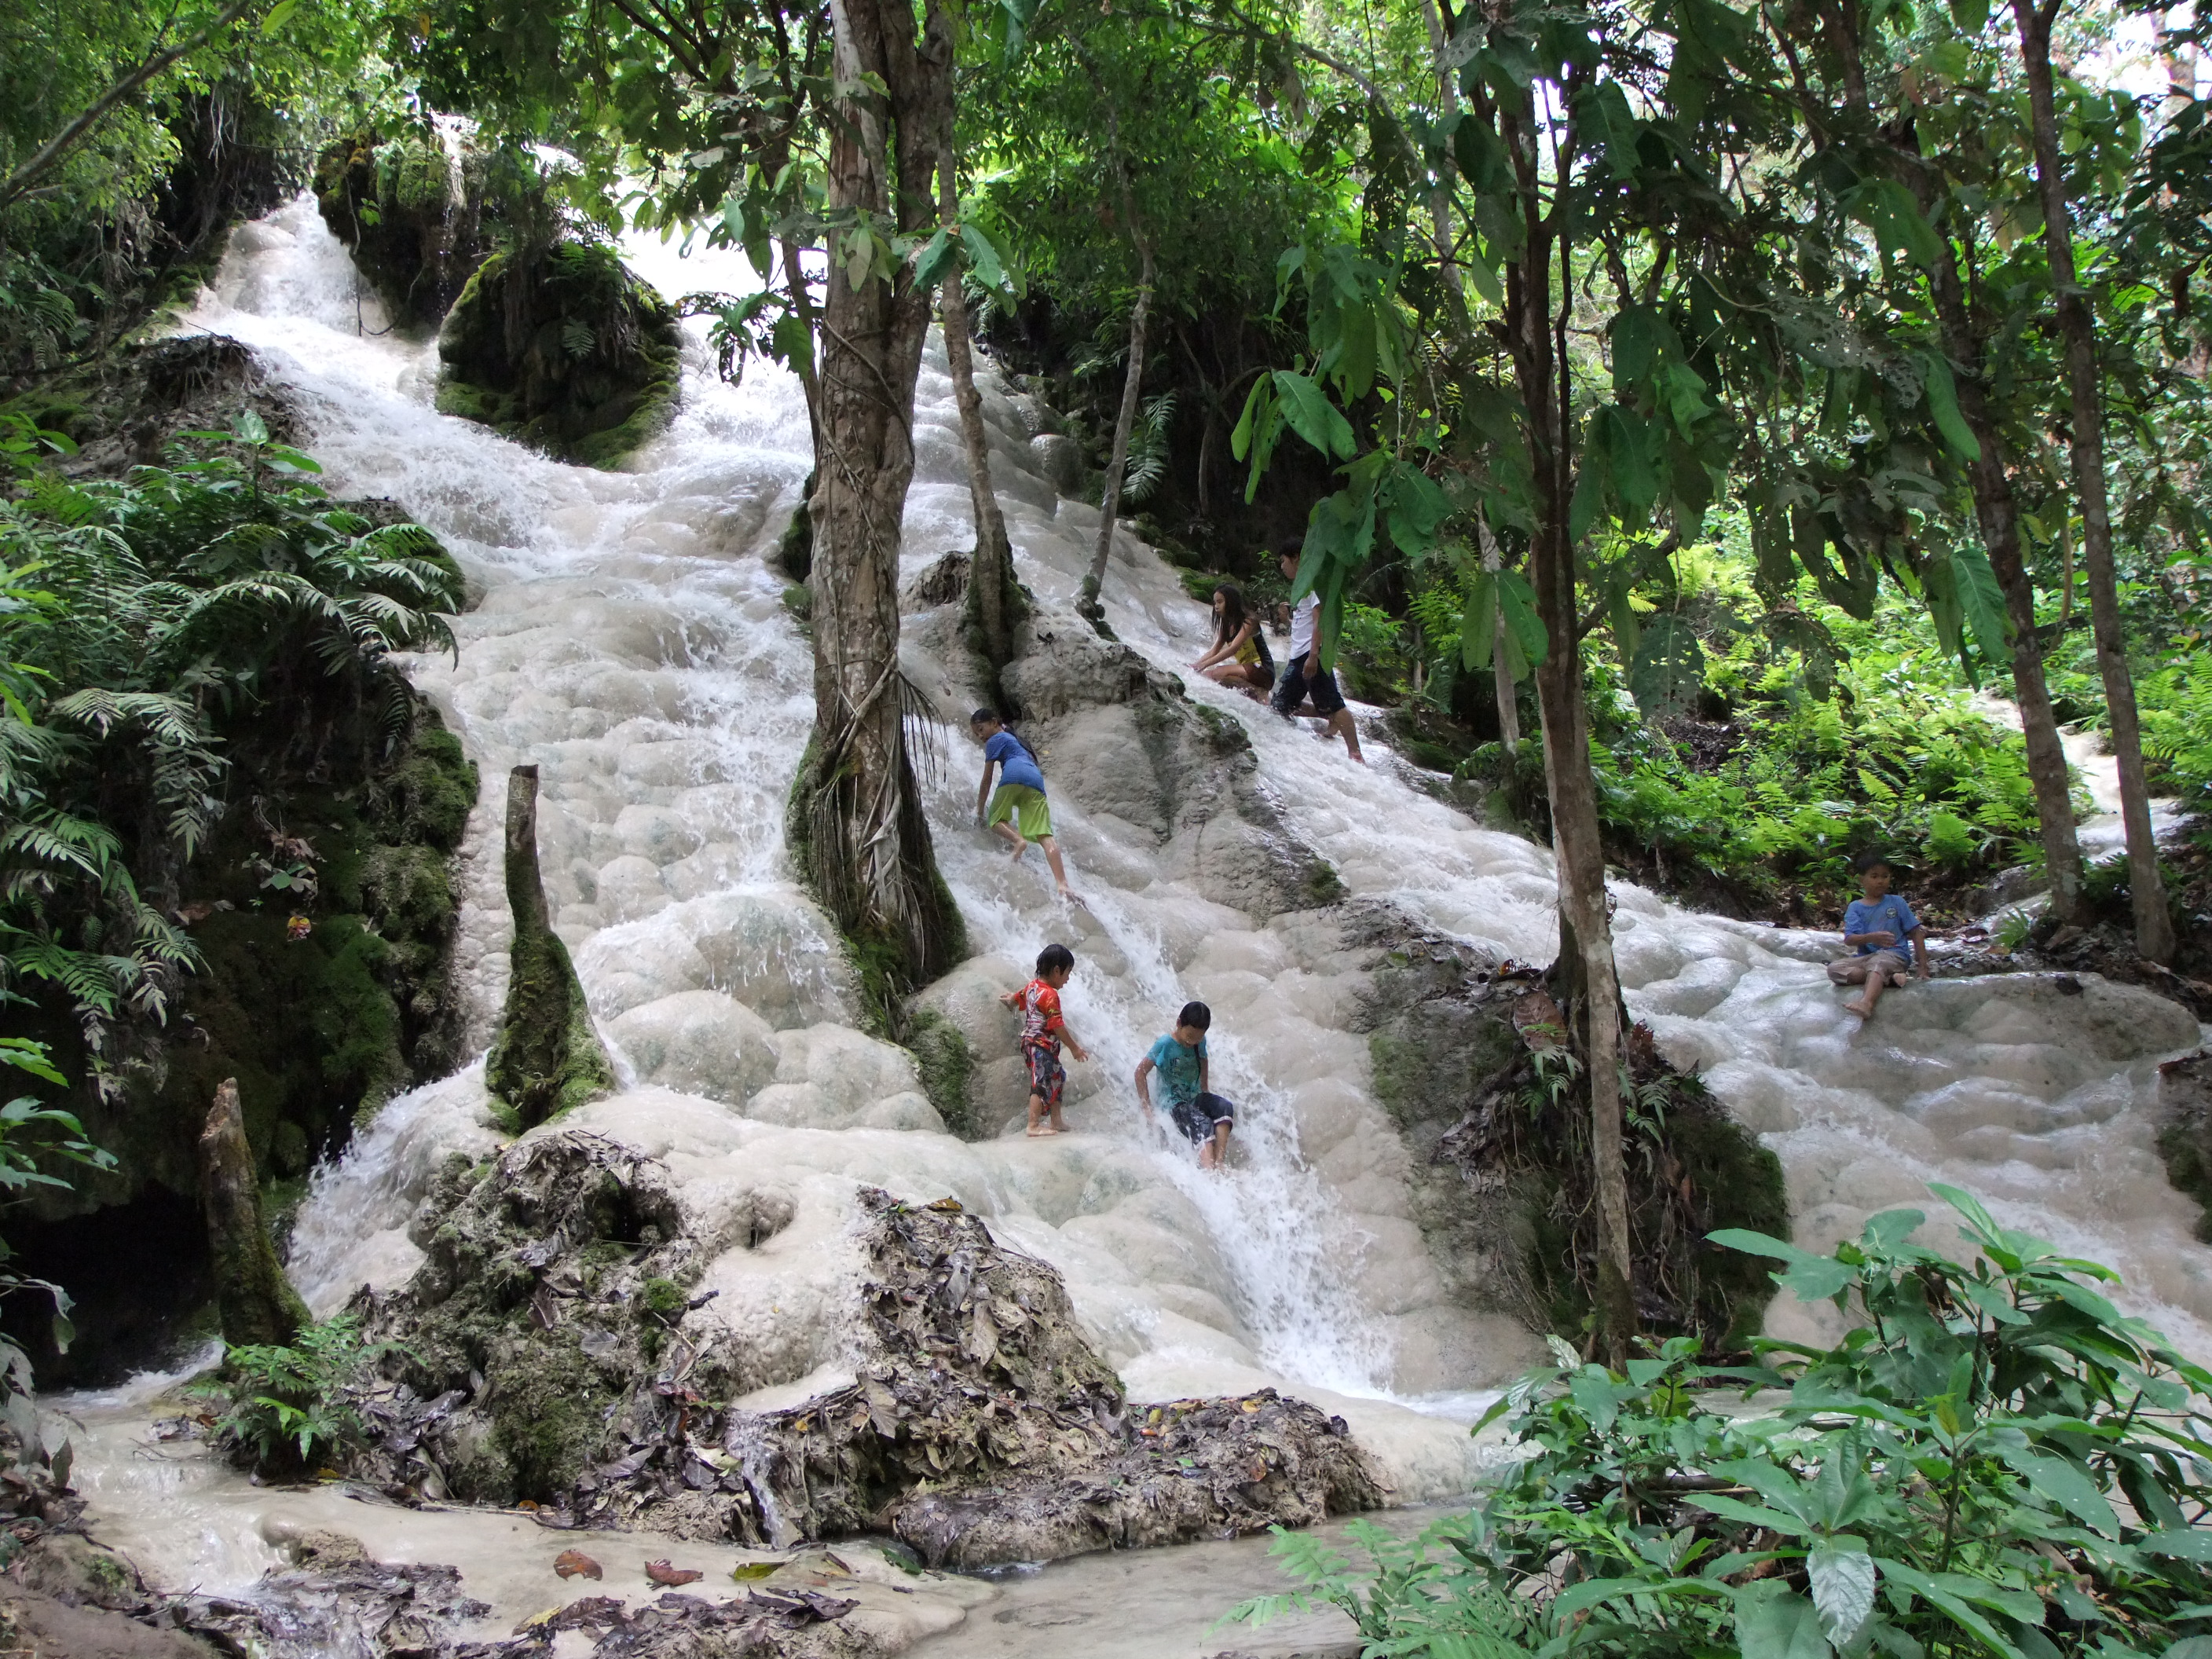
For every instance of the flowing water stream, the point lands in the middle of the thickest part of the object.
(631, 640)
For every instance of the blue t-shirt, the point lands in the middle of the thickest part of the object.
(1178, 1070)
(1016, 764)
(1891, 915)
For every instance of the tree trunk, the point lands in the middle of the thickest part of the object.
(547, 1057)
(1586, 962)
(992, 600)
(259, 1306)
(859, 835)
(2153, 922)
(1502, 684)
(1997, 514)
(1131, 380)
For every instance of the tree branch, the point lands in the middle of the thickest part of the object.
(63, 141)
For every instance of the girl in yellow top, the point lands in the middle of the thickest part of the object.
(1240, 657)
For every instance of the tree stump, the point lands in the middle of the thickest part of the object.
(259, 1306)
(546, 1058)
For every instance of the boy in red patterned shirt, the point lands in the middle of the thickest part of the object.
(1042, 1032)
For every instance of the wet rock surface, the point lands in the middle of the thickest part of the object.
(543, 1360)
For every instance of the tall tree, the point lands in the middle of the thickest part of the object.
(863, 839)
(2153, 922)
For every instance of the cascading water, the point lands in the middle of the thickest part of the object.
(632, 643)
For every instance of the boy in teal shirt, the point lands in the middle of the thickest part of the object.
(1179, 1058)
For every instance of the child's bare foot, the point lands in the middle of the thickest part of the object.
(1020, 847)
(1038, 1131)
(1897, 980)
(1858, 1008)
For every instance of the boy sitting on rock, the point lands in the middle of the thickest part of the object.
(1017, 812)
(1042, 1032)
(1876, 926)
(1205, 1118)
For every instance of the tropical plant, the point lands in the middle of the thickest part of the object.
(290, 1407)
(1992, 1460)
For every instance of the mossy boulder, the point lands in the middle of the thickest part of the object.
(547, 1350)
(1499, 1135)
(563, 349)
(411, 211)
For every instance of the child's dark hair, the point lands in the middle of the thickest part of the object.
(1196, 1013)
(1872, 861)
(1233, 612)
(1054, 958)
(985, 717)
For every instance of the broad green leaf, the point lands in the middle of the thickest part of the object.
(1944, 1591)
(2191, 1544)
(278, 14)
(1479, 273)
(1753, 1515)
(1842, 1583)
(1774, 1622)
(2065, 1485)
(983, 258)
(792, 341)
(937, 256)
(1311, 415)
(1635, 347)
(1981, 601)
(1669, 670)
(1524, 624)
(1626, 438)
(1942, 394)
(1972, 16)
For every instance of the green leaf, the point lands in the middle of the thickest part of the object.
(278, 14)
(1972, 16)
(1945, 1592)
(1636, 339)
(983, 257)
(1981, 600)
(2064, 1484)
(1669, 670)
(793, 341)
(1943, 395)
(2191, 1544)
(1753, 1515)
(1311, 415)
(1842, 1583)
(936, 256)
(1524, 625)
(1775, 1622)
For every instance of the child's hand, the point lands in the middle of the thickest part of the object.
(1009, 999)
(1079, 1050)
(1883, 938)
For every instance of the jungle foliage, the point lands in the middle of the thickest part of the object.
(1992, 1460)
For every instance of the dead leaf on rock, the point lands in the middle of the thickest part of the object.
(572, 1564)
(747, 1570)
(662, 1574)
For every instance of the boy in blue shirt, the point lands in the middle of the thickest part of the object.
(1017, 812)
(1203, 1117)
(1876, 926)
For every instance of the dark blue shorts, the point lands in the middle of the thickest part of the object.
(1197, 1118)
(1302, 675)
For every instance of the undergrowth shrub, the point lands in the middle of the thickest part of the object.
(1993, 1460)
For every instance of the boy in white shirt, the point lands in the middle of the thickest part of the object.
(1303, 673)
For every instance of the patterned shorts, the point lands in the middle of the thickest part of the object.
(1046, 1078)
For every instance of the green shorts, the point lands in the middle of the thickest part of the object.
(1025, 806)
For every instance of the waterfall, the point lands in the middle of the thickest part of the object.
(633, 643)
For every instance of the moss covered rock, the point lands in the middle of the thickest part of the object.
(411, 211)
(544, 1355)
(1502, 1180)
(563, 349)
